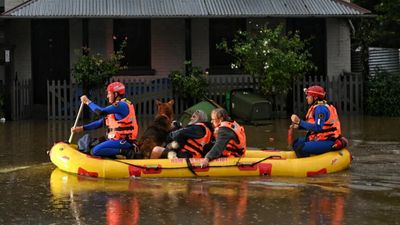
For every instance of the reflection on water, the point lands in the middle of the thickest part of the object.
(369, 193)
(205, 201)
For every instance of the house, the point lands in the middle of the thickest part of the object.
(42, 35)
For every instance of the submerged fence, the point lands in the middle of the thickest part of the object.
(63, 98)
(22, 99)
(344, 91)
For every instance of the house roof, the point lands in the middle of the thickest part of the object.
(184, 8)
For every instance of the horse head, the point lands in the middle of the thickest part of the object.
(165, 109)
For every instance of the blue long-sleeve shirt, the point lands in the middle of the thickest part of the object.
(120, 109)
(321, 115)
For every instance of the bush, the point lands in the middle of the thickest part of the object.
(95, 70)
(190, 85)
(382, 93)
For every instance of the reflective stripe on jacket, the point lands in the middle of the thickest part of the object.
(196, 146)
(125, 128)
(331, 129)
(233, 148)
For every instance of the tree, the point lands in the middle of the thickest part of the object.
(383, 30)
(274, 58)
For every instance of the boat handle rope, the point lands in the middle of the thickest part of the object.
(190, 165)
(259, 161)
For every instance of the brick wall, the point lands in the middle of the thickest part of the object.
(200, 43)
(167, 45)
(75, 40)
(100, 36)
(338, 46)
(9, 4)
(20, 33)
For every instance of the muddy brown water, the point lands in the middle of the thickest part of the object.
(34, 192)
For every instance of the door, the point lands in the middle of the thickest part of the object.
(50, 55)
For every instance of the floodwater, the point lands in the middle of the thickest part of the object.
(34, 192)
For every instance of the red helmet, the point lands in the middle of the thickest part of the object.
(315, 91)
(116, 87)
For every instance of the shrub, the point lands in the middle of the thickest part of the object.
(189, 85)
(382, 94)
(96, 70)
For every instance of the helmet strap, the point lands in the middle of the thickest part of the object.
(116, 96)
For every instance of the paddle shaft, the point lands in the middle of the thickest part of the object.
(76, 122)
(290, 136)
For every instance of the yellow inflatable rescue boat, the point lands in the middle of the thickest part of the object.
(256, 163)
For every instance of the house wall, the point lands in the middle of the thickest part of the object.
(167, 45)
(75, 40)
(19, 35)
(9, 4)
(100, 36)
(200, 43)
(338, 46)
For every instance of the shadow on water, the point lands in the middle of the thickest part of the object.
(36, 193)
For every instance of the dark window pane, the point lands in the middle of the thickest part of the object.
(314, 30)
(223, 29)
(137, 34)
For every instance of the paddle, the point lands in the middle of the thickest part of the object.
(290, 136)
(76, 122)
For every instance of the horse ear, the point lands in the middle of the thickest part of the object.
(158, 102)
(171, 102)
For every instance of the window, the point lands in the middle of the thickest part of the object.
(223, 29)
(314, 30)
(138, 49)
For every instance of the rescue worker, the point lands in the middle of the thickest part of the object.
(230, 137)
(321, 122)
(192, 141)
(120, 119)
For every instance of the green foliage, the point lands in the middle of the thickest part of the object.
(96, 70)
(192, 84)
(271, 56)
(389, 22)
(382, 30)
(382, 94)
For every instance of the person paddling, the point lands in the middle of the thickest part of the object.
(120, 119)
(322, 123)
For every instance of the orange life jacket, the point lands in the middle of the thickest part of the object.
(233, 148)
(331, 129)
(125, 128)
(196, 146)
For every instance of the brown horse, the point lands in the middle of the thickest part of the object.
(156, 133)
